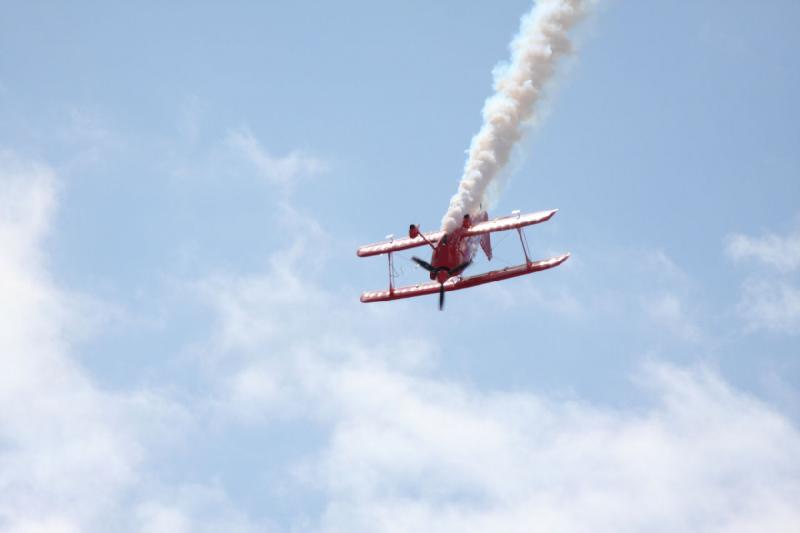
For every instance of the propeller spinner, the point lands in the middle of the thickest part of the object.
(435, 271)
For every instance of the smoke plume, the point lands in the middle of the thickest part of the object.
(542, 40)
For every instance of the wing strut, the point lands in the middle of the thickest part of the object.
(524, 242)
(391, 272)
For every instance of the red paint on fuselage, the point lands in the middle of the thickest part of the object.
(455, 249)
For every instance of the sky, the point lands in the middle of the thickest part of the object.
(182, 348)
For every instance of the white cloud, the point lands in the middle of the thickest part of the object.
(90, 140)
(403, 449)
(195, 509)
(87, 128)
(651, 287)
(59, 449)
(770, 301)
(70, 450)
(284, 170)
(667, 311)
(549, 297)
(771, 305)
(414, 454)
(662, 267)
(407, 451)
(781, 252)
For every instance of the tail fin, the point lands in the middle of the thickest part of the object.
(486, 240)
(486, 244)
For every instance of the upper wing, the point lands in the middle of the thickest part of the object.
(395, 245)
(498, 224)
(457, 283)
(510, 222)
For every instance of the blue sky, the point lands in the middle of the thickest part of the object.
(182, 190)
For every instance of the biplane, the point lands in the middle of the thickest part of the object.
(453, 252)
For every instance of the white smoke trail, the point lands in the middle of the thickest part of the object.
(542, 40)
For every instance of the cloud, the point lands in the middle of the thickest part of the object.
(284, 170)
(71, 452)
(667, 310)
(637, 286)
(550, 297)
(195, 509)
(769, 301)
(771, 305)
(90, 140)
(59, 447)
(407, 450)
(399, 447)
(425, 455)
(780, 252)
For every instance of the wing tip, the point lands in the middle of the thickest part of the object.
(369, 297)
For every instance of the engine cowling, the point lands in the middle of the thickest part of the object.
(413, 231)
(467, 222)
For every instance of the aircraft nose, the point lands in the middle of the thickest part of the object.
(441, 276)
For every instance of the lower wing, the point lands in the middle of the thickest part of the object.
(458, 283)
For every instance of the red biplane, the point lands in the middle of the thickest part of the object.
(453, 253)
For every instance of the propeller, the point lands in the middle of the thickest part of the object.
(453, 272)
(424, 264)
(460, 268)
(435, 270)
